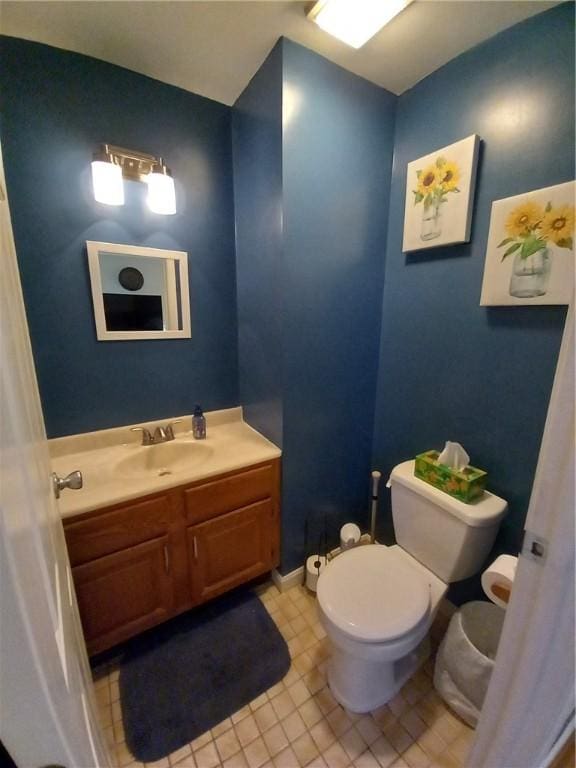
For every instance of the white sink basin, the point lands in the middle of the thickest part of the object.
(116, 469)
(164, 459)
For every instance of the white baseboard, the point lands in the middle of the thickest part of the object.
(286, 581)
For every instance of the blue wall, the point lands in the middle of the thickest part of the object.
(257, 134)
(449, 368)
(310, 270)
(57, 108)
(337, 160)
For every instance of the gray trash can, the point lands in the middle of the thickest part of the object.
(466, 658)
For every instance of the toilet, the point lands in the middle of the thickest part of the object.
(377, 602)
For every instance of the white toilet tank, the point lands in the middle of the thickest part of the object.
(449, 537)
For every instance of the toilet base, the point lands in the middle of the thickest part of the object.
(362, 686)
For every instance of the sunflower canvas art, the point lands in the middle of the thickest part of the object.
(440, 195)
(530, 252)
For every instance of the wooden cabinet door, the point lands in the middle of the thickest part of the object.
(230, 550)
(122, 594)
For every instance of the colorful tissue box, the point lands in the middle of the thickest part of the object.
(466, 485)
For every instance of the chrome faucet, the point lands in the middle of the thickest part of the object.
(161, 434)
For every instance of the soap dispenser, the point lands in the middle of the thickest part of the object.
(198, 424)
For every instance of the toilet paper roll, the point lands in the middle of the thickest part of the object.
(349, 536)
(498, 578)
(315, 564)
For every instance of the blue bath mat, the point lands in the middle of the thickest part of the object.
(189, 674)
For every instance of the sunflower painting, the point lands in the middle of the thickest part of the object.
(439, 196)
(530, 253)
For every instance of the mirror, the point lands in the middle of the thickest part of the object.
(139, 293)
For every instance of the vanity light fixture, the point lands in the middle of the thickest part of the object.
(107, 180)
(161, 193)
(112, 164)
(355, 21)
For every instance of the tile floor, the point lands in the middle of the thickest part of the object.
(297, 723)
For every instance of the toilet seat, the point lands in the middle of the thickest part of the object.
(372, 595)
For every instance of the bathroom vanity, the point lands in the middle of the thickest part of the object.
(153, 534)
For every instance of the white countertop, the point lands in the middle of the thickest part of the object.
(230, 444)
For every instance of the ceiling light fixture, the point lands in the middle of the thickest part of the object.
(355, 21)
(111, 165)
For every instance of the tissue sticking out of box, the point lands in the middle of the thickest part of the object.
(454, 456)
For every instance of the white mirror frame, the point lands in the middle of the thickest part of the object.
(179, 257)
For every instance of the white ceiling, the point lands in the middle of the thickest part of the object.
(214, 48)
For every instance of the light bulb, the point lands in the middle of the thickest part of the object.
(161, 192)
(107, 183)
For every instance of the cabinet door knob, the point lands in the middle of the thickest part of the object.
(166, 559)
(195, 543)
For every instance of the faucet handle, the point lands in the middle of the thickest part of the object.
(146, 436)
(169, 429)
(159, 435)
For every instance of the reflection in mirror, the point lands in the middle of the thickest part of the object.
(139, 293)
(134, 292)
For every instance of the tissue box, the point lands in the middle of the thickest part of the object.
(466, 485)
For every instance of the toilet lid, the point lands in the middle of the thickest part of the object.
(372, 594)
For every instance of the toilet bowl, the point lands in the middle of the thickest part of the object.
(377, 603)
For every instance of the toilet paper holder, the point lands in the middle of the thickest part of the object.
(534, 547)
